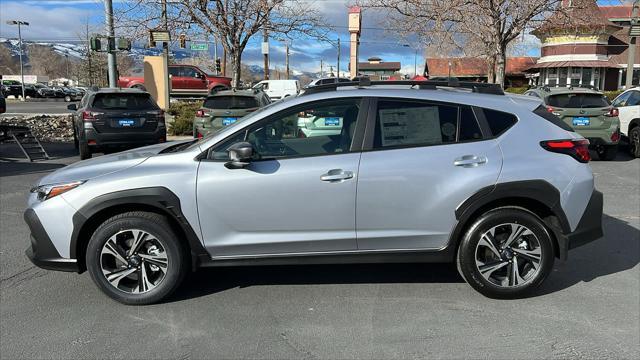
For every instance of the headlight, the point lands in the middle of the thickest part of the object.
(46, 192)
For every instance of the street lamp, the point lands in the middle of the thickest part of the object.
(20, 23)
(415, 60)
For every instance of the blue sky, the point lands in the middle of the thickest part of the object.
(63, 20)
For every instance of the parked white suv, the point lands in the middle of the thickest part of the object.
(628, 103)
(279, 89)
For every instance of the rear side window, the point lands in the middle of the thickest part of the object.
(499, 121)
(413, 123)
(578, 101)
(231, 102)
(545, 114)
(124, 102)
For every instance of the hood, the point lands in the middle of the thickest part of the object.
(103, 165)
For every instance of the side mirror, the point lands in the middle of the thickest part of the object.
(72, 107)
(240, 155)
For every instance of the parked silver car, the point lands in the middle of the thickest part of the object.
(419, 172)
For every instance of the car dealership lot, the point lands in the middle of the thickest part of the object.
(589, 307)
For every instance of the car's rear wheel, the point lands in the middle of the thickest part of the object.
(84, 150)
(506, 253)
(135, 258)
(76, 143)
(607, 152)
(634, 142)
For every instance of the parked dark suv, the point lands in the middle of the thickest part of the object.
(116, 118)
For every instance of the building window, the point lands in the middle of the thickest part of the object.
(586, 76)
(575, 74)
(563, 76)
(636, 77)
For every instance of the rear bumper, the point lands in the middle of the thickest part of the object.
(42, 252)
(96, 139)
(589, 227)
(601, 136)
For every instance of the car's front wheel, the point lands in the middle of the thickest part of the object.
(84, 150)
(135, 258)
(506, 253)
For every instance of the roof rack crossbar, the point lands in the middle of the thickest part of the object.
(481, 88)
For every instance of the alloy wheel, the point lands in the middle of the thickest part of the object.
(508, 255)
(134, 261)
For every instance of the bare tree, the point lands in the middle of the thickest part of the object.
(484, 27)
(232, 22)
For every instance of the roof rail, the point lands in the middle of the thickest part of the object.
(481, 88)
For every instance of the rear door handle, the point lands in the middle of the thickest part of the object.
(468, 161)
(335, 175)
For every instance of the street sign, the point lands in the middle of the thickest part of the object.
(200, 47)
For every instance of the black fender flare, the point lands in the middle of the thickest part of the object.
(159, 198)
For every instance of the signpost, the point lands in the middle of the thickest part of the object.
(199, 47)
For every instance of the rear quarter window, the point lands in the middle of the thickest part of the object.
(545, 114)
(499, 121)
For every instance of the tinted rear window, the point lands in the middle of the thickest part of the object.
(499, 121)
(231, 102)
(578, 101)
(123, 102)
(545, 114)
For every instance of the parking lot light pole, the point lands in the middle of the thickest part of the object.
(20, 23)
(415, 59)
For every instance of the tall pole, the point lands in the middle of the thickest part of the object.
(338, 77)
(265, 52)
(215, 51)
(632, 50)
(21, 64)
(415, 63)
(321, 72)
(286, 59)
(111, 56)
(165, 24)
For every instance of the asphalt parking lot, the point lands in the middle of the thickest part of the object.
(588, 308)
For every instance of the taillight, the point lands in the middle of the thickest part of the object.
(550, 109)
(200, 136)
(577, 149)
(613, 112)
(88, 116)
(200, 113)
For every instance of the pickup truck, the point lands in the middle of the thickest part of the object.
(186, 80)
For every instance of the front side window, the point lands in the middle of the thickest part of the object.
(621, 100)
(634, 99)
(414, 123)
(189, 72)
(320, 128)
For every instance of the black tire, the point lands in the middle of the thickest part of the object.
(84, 150)
(634, 142)
(158, 227)
(76, 144)
(466, 257)
(607, 152)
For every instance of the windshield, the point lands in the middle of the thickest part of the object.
(124, 101)
(578, 101)
(231, 102)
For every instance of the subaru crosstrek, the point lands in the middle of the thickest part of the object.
(419, 172)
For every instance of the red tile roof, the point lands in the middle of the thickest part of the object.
(616, 12)
(475, 67)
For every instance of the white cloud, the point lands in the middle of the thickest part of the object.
(45, 23)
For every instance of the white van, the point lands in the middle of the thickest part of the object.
(278, 89)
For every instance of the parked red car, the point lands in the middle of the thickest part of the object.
(186, 80)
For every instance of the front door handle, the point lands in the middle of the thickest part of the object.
(468, 161)
(336, 175)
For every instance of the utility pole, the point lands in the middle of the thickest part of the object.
(632, 49)
(20, 23)
(165, 24)
(286, 60)
(89, 55)
(265, 52)
(338, 76)
(111, 56)
(321, 72)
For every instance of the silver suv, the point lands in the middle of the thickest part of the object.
(415, 172)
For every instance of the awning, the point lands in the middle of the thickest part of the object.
(584, 63)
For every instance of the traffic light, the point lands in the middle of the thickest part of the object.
(218, 67)
(183, 41)
(96, 45)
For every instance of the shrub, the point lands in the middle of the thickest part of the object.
(612, 94)
(183, 113)
(517, 90)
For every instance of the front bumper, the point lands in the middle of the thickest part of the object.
(589, 227)
(42, 252)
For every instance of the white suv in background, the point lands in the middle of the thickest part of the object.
(628, 104)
